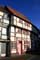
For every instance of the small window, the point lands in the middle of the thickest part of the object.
(12, 34)
(12, 38)
(13, 45)
(0, 17)
(18, 30)
(5, 15)
(15, 17)
(20, 21)
(6, 21)
(4, 31)
(28, 24)
(4, 37)
(1, 13)
(12, 29)
(0, 34)
(2, 49)
(0, 28)
(15, 20)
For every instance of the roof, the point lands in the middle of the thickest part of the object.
(15, 12)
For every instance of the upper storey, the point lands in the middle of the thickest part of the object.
(18, 19)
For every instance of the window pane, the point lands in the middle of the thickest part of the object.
(0, 28)
(13, 47)
(12, 29)
(23, 32)
(12, 38)
(12, 34)
(0, 17)
(18, 30)
(23, 24)
(5, 15)
(0, 34)
(6, 21)
(4, 37)
(1, 13)
(28, 24)
(2, 49)
(14, 22)
(15, 19)
(4, 31)
(19, 22)
(18, 38)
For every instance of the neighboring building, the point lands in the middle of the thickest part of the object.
(17, 33)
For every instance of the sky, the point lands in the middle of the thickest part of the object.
(29, 8)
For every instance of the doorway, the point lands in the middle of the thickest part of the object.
(19, 47)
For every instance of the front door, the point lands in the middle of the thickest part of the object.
(19, 47)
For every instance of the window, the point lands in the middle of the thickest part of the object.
(6, 21)
(4, 37)
(0, 17)
(1, 13)
(5, 15)
(23, 33)
(2, 49)
(12, 29)
(15, 17)
(13, 45)
(12, 34)
(28, 24)
(4, 31)
(26, 42)
(24, 25)
(15, 20)
(18, 30)
(0, 28)
(0, 34)
(20, 21)
(28, 33)
(12, 38)
(5, 18)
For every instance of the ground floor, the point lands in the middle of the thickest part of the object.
(14, 40)
(23, 57)
(9, 48)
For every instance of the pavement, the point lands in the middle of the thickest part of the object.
(34, 57)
